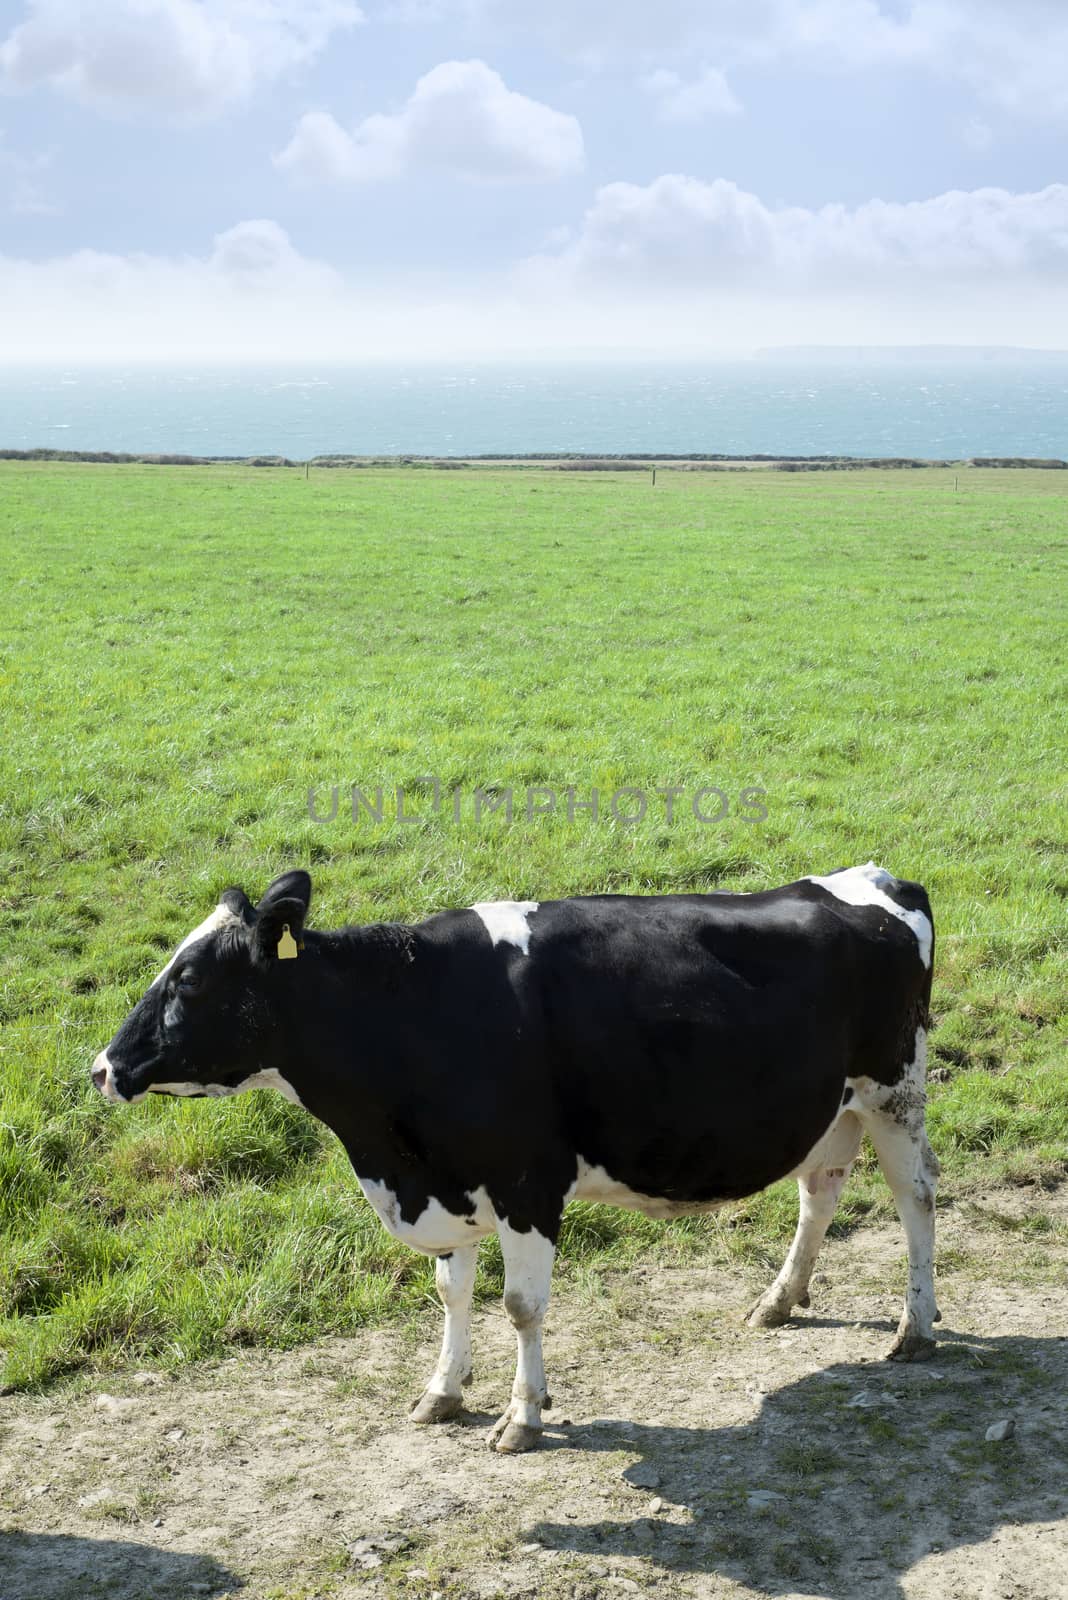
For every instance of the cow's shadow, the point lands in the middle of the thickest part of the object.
(844, 1479)
(45, 1566)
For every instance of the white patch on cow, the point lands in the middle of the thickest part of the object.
(867, 886)
(435, 1230)
(107, 1088)
(595, 1184)
(272, 1079)
(904, 1100)
(506, 921)
(221, 917)
(268, 1079)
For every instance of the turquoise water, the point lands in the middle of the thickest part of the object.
(740, 408)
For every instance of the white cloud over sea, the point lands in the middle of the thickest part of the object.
(676, 267)
(680, 230)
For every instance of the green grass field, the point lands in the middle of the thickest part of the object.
(185, 652)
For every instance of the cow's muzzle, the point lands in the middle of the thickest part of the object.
(104, 1078)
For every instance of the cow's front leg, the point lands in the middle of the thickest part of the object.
(454, 1275)
(528, 1265)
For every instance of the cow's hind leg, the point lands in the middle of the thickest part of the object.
(528, 1265)
(454, 1275)
(820, 1188)
(911, 1169)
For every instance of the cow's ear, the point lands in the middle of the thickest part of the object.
(237, 901)
(296, 885)
(284, 904)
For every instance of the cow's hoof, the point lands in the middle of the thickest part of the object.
(517, 1436)
(431, 1407)
(911, 1347)
(510, 1435)
(767, 1315)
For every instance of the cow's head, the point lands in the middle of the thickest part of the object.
(208, 1023)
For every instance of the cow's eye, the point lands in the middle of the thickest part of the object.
(188, 982)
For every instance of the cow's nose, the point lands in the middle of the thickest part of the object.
(100, 1071)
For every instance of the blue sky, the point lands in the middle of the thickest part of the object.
(239, 178)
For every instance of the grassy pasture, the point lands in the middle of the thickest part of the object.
(185, 652)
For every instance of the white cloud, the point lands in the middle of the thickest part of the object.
(461, 118)
(681, 267)
(707, 95)
(1012, 53)
(106, 306)
(251, 297)
(165, 58)
(320, 151)
(680, 230)
(675, 268)
(604, 31)
(258, 255)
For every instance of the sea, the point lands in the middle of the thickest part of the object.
(792, 404)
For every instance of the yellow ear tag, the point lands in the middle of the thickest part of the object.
(287, 945)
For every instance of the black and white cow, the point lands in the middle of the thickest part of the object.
(482, 1068)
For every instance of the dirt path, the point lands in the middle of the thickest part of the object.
(685, 1456)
